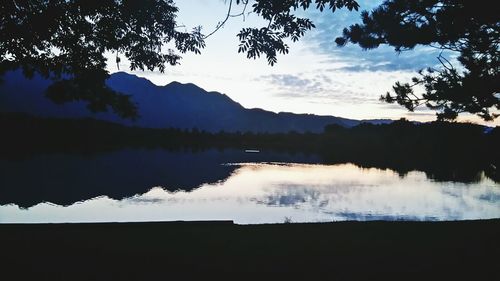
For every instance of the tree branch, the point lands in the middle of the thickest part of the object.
(228, 15)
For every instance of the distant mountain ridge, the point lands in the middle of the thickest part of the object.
(174, 105)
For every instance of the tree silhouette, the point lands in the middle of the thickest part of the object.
(469, 28)
(66, 40)
(282, 24)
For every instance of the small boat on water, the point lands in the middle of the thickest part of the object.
(252, 151)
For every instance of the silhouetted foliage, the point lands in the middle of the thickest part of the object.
(469, 28)
(282, 24)
(66, 41)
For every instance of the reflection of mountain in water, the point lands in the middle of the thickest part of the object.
(67, 178)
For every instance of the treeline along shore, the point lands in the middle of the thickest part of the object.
(445, 151)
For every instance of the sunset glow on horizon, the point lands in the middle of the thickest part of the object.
(316, 77)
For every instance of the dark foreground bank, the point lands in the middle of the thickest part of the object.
(467, 250)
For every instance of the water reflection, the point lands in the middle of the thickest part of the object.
(272, 192)
(64, 179)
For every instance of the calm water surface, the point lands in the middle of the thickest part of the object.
(158, 185)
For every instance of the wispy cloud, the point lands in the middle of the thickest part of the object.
(295, 85)
(328, 85)
(353, 58)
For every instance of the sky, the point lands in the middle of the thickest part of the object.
(315, 77)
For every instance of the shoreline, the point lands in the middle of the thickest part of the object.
(231, 222)
(398, 250)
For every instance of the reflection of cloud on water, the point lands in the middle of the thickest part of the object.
(292, 197)
(156, 195)
(490, 196)
(369, 198)
(269, 192)
(351, 216)
(313, 196)
(343, 192)
(140, 200)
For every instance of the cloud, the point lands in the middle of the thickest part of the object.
(330, 86)
(352, 57)
(314, 88)
(296, 85)
(422, 112)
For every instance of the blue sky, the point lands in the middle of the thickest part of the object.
(315, 77)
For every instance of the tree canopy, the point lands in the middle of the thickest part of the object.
(66, 40)
(282, 24)
(470, 29)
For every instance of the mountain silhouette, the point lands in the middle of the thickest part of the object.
(175, 105)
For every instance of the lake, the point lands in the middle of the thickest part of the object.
(268, 187)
